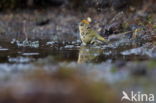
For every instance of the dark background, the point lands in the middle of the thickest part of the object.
(117, 4)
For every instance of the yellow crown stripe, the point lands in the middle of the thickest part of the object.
(85, 21)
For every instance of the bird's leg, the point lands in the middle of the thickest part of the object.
(24, 31)
(25, 42)
(93, 40)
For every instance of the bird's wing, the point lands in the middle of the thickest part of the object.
(98, 37)
(101, 38)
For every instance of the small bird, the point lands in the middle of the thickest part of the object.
(88, 35)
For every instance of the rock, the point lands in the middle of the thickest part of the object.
(120, 4)
(43, 22)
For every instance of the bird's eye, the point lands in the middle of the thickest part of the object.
(81, 24)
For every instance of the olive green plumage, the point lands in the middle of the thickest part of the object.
(88, 35)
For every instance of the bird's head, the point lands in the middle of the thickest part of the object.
(83, 24)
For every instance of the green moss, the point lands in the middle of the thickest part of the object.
(125, 25)
(151, 64)
(154, 26)
(114, 69)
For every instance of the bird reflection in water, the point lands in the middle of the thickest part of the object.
(89, 54)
